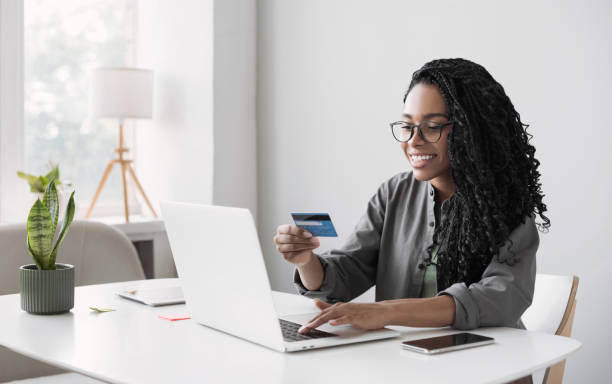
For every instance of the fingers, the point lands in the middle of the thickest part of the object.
(325, 311)
(287, 244)
(286, 248)
(318, 321)
(332, 312)
(321, 304)
(292, 239)
(280, 240)
(311, 324)
(289, 229)
(295, 244)
(340, 320)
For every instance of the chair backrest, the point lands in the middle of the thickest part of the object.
(552, 311)
(99, 252)
(553, 300)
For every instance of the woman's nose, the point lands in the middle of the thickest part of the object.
(416, 138)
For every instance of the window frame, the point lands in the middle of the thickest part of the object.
(12, 199)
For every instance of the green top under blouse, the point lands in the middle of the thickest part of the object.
(430, 281)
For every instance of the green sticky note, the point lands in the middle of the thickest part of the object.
(100, 310)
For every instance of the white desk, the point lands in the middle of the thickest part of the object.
(132, 345)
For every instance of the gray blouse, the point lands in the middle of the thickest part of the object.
(391, 240)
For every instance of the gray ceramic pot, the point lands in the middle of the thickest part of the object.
(46, 292)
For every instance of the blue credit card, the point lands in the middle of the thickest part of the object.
(318, 224)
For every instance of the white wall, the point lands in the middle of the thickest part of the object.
(175, 150)
(235, 167)
(200, 145)
(331, 75)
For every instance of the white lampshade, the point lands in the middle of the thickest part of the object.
(121, 93)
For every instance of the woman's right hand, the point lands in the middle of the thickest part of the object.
(295, 244)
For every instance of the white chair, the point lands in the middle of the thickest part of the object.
(100, 253)
(552, 311)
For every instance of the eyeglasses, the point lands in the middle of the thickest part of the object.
(429, 131)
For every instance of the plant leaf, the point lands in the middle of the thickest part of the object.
(53, 175)
(50, 201)
(36, 183)
(27, 177)
(69, 215)
(40, 236)
(37, 261)
(39, 185)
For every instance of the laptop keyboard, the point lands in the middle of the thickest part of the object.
(290, 332)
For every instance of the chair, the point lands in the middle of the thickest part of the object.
(100, 253)
(552, 311)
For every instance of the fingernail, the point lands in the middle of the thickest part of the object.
(307, 234)
(301, 330)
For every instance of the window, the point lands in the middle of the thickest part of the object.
(63, 41)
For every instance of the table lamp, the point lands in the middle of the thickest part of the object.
(121, 93)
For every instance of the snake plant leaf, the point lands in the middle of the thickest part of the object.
(27, 177)
(37, 183)
(41, 184)
(50, 201)
(40, 236)
(68, 216)
(37, 261)
(53, 175)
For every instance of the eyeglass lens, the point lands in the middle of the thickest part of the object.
(430, 131)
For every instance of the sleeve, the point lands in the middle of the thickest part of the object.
(504, 292)
(351, 269)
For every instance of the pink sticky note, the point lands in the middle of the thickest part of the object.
(178, 316)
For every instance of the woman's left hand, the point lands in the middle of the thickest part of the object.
(361, 315)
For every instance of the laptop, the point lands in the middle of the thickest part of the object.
(224, 280)
(155, 297)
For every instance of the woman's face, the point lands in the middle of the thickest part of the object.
(429, 161)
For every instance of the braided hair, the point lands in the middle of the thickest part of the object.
(493, 167)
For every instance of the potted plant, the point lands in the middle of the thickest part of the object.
(45, 286)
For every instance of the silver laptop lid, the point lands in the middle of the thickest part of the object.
(221, 269)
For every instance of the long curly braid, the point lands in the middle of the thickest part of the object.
(492, 165)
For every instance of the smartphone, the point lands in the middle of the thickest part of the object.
(447, 343)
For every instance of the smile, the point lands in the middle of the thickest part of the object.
(421, 157)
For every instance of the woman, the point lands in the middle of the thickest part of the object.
(454, 241)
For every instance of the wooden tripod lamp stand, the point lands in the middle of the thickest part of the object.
(121, 93)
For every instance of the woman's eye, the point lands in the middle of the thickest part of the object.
(434, 125)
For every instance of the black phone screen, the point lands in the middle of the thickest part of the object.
(447, 341)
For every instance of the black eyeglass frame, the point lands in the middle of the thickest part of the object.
(418, 127)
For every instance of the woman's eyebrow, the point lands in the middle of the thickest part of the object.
(427, 116)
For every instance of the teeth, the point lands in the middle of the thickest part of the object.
(420, 158)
